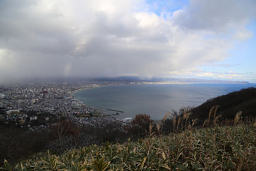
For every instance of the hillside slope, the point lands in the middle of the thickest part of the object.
(243, 100)
(218, 148)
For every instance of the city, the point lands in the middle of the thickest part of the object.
(39, 105)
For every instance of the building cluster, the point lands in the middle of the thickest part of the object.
(38, 105)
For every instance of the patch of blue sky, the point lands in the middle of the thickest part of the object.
(161, 7)
(241, 59)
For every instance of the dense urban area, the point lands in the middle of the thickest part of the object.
(37, 105)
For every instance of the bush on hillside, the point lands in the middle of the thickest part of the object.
(65, 127)
(112, 131)
(140, 126)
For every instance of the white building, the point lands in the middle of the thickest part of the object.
(2, 96)
(13, 112)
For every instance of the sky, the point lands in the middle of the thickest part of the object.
(213, 39)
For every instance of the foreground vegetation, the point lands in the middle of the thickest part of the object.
(180, 141)
(216, 148)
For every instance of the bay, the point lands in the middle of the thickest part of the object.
(152, 99)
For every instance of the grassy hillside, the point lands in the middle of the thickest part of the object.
(217, 148)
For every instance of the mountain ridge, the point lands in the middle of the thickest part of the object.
(229, 104)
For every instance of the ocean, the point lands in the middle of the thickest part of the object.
(154, 99)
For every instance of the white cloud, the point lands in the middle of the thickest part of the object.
(216, 15)
(243, 35)
(92, 38)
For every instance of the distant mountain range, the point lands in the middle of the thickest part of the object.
(168, 80)
(128, 79)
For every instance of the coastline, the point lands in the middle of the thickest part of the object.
(101, 111)
(87, 87)
(121, 114)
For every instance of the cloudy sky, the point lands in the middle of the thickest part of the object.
(211, 39)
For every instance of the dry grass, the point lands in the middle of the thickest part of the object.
(212, 117)
(216, 148)
(237, 117)
(213, 146)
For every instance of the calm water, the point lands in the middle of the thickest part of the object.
(155, 100)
